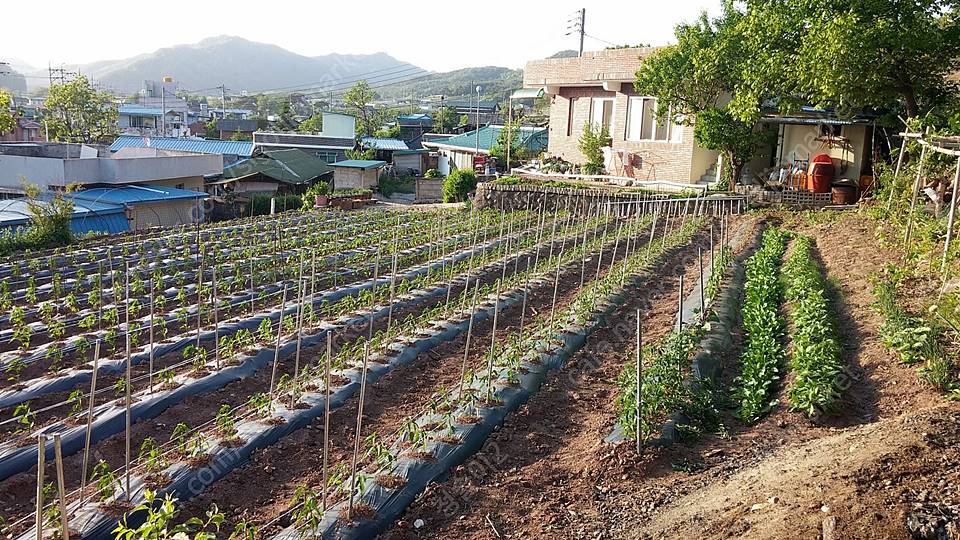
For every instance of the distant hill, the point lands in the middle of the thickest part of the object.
(11, 79)
(496, 83)
(569, 53)
(244, 65)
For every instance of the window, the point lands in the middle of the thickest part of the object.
(643, 124)
(830, 130)
(181, 186)
(601, 112)
(329, 157)
(570, 105)
(136, 121)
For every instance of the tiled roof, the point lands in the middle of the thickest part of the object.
(184, 144)
(360, 163)
(132, 194)
(383, 144)
(301, 140)
(291, 166)
(533, 138)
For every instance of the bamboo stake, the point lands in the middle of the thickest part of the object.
(199, 296)
(639, 396)
(58, 458)
(326, 419)
(356, 439)
(252, 294)
(703, 304)
(493, 342)
(373, 287)
(126, 399)
(89, 430)
(41, 466)
(950, 220)
(526, 288)
(680, 305)
(299, 327)
(913, 200)
(466, 348)
(276, 351)
(896, 172)
(152, 352)
(216, 313)
(393, 289)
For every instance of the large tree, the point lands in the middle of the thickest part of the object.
(359, 99)
(7, 122)
(77, 112)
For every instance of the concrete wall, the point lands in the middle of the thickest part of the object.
(339, 125)
(428, 189)
(40, 171)
(351, 178)
(593, 66)
(163, 214)
(404, 162)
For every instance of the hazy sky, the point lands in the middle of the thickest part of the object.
(438, 36)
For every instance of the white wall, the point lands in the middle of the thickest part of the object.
(339, 125)
(43, 172)
(800, 142)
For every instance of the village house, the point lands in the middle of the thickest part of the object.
(597, 88)
(330, 145)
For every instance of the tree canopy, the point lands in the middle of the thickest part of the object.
(359, 99)
(79, 113)
(7, 122)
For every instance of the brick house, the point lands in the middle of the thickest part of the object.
(597, 88)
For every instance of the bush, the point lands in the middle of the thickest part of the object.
(309, 198)
(458, 185)
(431, 173)
(49, 224)
(593, 139)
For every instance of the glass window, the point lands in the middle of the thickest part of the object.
(644, 125)
(602, 112)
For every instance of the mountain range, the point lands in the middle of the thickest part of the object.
(246, 66)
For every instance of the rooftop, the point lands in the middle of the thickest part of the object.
(383, 144)
(361, 164)
(592, 69)
(292, 166)
(183, 144)
(133, 193)
(532, 138)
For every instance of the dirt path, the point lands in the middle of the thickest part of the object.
(891, 449)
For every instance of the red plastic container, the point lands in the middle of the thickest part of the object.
(821, 174)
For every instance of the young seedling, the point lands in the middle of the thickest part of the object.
(105, 481)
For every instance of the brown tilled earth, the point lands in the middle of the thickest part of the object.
(884, 466)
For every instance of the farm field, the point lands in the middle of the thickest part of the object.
(661, 367)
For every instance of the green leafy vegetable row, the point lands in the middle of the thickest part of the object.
(762, 357)
(816, 358)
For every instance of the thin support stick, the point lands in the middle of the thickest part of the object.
(493, 343)
(41, 467)
(356, 439)
(89, 430)
(276, 351)
(126, 398)
(466, 348)
(61, 489)
(639, 400)
(326, 418)
(680, 305)
(703, 303)
(152, 354)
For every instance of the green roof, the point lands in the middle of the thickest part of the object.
(361, 163)
(409, 152)
(292, 166)
(533, 139)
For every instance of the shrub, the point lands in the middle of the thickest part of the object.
(431, 173)
(593, 139)
(260, 204)
(458, 185)
(309, 197)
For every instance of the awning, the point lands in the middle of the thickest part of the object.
(528, 93)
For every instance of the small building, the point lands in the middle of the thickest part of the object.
(88, 216)
(357, 173)
(231, 128)
(149, 206)
(484, 112)
(458, 151)
(273, 172)
(24, 130)
(414, 125)
(331, 144)
(152, 120)
(412, 162)
(384, 148)
(232, 151)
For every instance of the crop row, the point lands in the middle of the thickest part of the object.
(815, 343)
(762, 358)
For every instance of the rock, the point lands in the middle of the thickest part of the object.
(773, 500)
(825, 509)
(418, 523)
(829, 528)
(758, 506)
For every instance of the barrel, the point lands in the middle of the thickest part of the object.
(843, 192)
(821, 174)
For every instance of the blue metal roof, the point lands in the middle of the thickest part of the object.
(133, 194)
(183, 144)
(134, 110)
(88, 216)
(383, 144)
(360, 163)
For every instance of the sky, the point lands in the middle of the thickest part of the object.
(438, 36)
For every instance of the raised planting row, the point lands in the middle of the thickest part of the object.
(399, 465)
(815, 344)
(200, 369)
(761, 362)
(301, 389)
(182, 323)
(663, 380)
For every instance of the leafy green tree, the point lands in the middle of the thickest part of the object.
(392, 132)
(7, 122)
(361, 153)
(285, 120)
(211, 131)
(717, 129)
(77, 112)
(592, 140)
(359, 99)
(314, 124)
(514, 139)
(458, 184)
(445, 119)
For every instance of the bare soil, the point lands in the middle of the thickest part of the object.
(888, 458)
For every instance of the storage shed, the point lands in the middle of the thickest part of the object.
(153, 206)
(88, 216)
(357, 173)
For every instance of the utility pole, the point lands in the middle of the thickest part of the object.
(578, 24)
(442, 114)
(223, 102)
(163, 108)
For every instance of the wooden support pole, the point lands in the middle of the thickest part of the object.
(950, 220)
(896, 172)
(356, 439)
(326, 418)
(639, 375)
(216, 313)
(680, 305)
(373, 287)
(913, 198)
(152, 353)
(89, 430)
(276, 351)
(41, 468)
(466, 347)
(703, 301)
(126, 398)
(493, 343)
(61, 489)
